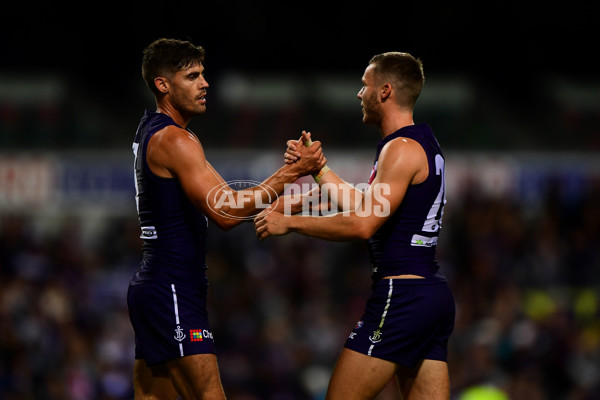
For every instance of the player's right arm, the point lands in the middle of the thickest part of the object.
(176, 153)
(401, 164)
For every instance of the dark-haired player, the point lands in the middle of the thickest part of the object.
(410, 314)
(175, 351)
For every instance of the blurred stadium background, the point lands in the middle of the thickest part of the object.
(512, 92)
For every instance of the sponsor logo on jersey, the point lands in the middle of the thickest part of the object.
(423, 241)
(149, 232)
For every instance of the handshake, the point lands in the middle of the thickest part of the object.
(308, 155)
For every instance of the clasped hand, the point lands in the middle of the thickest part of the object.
(308, 157)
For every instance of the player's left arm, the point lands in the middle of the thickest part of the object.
(402, 162)
(343, 196)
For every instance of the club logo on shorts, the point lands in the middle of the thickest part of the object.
(179, 335)
(196, 335)
(359, 325)
(376, 338)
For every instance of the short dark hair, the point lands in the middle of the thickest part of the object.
(403, 71)
(164, 57)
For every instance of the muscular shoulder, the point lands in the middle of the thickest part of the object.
(406, 156)
(170, 147)
(172, 137)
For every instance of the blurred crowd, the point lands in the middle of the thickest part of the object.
(526, 282)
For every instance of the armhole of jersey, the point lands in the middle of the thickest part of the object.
(145, 164)
(429, 162)
(429, 165)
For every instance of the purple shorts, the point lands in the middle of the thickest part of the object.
(169, 320)
(405, 321)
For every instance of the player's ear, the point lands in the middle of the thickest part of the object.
(386, 91)
(161, 84)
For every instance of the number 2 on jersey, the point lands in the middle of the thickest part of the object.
(434, 216)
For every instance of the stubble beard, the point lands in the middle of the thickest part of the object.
(371, 112)
(188, 105)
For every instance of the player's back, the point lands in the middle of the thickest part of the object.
(173, 230)
(406, 242)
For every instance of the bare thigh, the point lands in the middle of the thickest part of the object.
(197, 377)
(428, 380)
(192, 377)
(151, 383)
(359, 377)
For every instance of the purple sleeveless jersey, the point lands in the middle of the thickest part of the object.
(173, 229)
(406, 242)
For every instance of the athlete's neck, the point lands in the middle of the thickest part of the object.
(391, 122)
(179, 118)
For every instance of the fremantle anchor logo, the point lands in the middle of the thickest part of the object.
(376, 338)
(179, 335)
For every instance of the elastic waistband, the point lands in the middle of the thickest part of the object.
(188, 278)
(429, 274)
(411, 282)
(427, 271)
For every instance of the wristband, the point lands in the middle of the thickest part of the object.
(322, 172)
